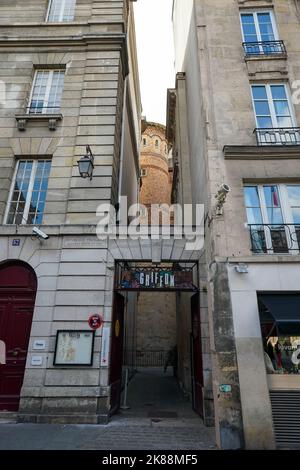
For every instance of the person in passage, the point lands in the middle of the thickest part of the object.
(172, 360)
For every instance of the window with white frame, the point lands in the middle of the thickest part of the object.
(144, 172)
(272, 106)
(28, 192)
(259, 30)
(46, 92)
(61, 10)
(273, 214)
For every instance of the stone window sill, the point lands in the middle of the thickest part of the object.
(253, 57)
(53, 119)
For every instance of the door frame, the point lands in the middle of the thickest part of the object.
(13, 399)
(197, 386)
(117, 350)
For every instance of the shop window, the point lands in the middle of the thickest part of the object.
(280, 327)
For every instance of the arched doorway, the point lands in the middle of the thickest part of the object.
(18, 285)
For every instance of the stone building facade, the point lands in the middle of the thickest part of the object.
(69, 79)
(233, 118)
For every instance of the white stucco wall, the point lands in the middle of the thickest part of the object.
(129, 178)
(182, 14)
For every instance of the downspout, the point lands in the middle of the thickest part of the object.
(297, 5)
(122, 138)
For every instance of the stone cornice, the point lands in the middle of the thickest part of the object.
(266, 152)
(265, 259)
(85, 41)
(63, 25)
(78, 40)
(51, 230)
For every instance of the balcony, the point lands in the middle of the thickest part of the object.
(275, 239)
(265, 48)
(278, 136)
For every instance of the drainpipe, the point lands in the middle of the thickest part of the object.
(122, 137)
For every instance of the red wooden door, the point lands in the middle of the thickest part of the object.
(197, 363)
(17, 297)
(116, 354)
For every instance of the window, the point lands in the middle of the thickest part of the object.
(259, 32)
(280, 327)
(144, 142)
(28, 193)
(61, 10)
(46, 92)
(273, 214)
(272, 106)
(156, 144)
(144, 172)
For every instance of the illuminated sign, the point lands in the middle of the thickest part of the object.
(157, 279)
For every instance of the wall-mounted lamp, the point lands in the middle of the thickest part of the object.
(86, 164)
(242, 268)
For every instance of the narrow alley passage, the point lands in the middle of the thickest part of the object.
(156, 395)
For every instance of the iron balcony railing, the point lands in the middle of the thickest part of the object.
(278, 136)
(276, 238)
(264, 48)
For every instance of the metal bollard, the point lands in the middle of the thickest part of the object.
(125, 406)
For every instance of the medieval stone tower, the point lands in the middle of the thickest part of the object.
(156, 171)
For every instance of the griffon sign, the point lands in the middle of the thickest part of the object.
(157, 280)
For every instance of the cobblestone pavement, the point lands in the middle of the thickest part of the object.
(111, 437)
(144, 426)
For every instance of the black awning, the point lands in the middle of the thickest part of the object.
(284, 309)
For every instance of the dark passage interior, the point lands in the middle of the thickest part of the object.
(156, 395)
(158, 355)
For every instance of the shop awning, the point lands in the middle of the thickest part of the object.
(284, 309)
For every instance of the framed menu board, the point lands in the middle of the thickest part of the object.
(74, 348)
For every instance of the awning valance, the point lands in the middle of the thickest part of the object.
(284, 309)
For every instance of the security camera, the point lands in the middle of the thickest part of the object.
(221, 198)
(223, 191)
(39, 233)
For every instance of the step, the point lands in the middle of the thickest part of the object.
(8, 417)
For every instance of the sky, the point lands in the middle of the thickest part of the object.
(155, 55)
